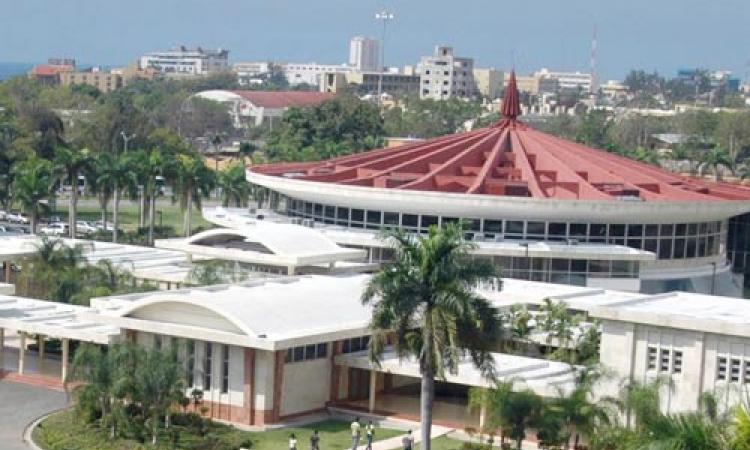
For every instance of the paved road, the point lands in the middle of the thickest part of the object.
(19, 406)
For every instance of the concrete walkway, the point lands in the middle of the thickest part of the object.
(396, 441)
(22, 404)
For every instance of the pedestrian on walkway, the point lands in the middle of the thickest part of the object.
(315, 441)
(355, 433)
(408, 441)
(369, 434)
(292, 442)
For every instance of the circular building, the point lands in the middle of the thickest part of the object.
(519, 187)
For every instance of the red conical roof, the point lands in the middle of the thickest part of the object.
(511, 101)
(508, 159)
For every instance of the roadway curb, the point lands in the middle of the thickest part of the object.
(29, 430)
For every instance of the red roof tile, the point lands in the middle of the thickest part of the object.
(284, 99)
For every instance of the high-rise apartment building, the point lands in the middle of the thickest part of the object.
(363, 54)
(444, 75)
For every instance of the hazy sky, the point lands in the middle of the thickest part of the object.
(649, 34)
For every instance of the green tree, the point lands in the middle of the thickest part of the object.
(715, 159)
(116, 174)
(71, 164)
(235, 188)
(32, 185)
(594, 130)
(580, 413)
(192, 181)
(426, 298)
(496, 405)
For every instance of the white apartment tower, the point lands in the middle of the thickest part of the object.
(444, 75)
(363, 54)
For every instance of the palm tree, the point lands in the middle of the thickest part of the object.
(425, 299)
(117, 174)
(741, 427)
(580, 413)
(234, 186)
(715, 159)
(70, 164)
(192, 182)
(32, 185)
(743, 170)
(494, 402)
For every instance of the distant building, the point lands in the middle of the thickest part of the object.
(568, 80)
(367, 82)
(249, 73)
(261, 107)
(444, 75)
(614, 89)
(311, 73)
(49, 74)
(363, 54)
(489, 82)
(105, 81)
(535, 84)
(184, 61)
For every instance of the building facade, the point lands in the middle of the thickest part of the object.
(444, 75)
(104, 81)
(364, 54)
(311, 73)
(184, 61)
(516, 186)
(490, 83)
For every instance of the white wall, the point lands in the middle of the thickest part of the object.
(264, 372)
(306, 385)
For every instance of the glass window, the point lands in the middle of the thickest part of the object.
(664, 360)
(578, 265)
(207, 369)
(677, 361)
(358, 215)
(390, 218)
(622, 267)
(330, 211)
(224, 369)
(578, 229)
(598, 230)
(342, 213)
(634, 243)
(428, 221)
(691, 248)
(299, 354)
(692, 229)
(599, 266)
(318, 210)
(474, 224)
(410, 220)
(680, 229)
(535, 228)
(635, 230)
(735, 371)
(558, 229)
(652, 230)
(493, 226)
(560, 265)
(310, 351)
(651, 358)
(721, 369)
(667, 230)
(650, 245)
(448, 220)
(514, 227)
(679, 248)
(665, 248)
(374, 217)
(322, 350)
(308, 208)
(616, 230)
(190, 375)
(703, 228)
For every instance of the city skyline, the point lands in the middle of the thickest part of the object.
(524, 36)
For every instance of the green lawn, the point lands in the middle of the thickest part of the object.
(63, 432)
(128, 216)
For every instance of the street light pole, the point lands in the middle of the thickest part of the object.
(384, 16)
(126, 138)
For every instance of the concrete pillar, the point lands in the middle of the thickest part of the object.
(64, 361)
(373, 390)
(482, 418)
(21, 351)
(7, 271)
(290, 270)
(40, 355)
(2, 349)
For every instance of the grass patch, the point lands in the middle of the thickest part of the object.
(62, 431)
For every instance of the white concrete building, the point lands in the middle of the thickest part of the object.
(567, 80)
(184, 61)
(311, 73)
(364, 54)
(444, 75)
(249, 73)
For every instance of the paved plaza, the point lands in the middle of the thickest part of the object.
(22, 404)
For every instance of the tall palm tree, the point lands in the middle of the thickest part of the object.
(192, 181)
(581, 415)
(117, 173)
(495, 403)
(715, 159)
(70, 164)
(32, 185)
(425, 299)
(234, 186)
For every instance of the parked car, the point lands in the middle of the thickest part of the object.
(3, 215)
(55, 229)
(100, 226)
(16, 217)
(85, 227)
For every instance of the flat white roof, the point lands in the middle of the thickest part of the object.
(543, 376)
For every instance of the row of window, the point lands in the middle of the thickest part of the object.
(306, 353)
(667, 241)
(733, 370)
(664, 360)
(206, 366)
(355, 344)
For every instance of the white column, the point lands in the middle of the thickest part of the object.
(482, 418)
(40, 344)
(290, 270)
(373, 389)
(2, 349)
(65, 351)
(21, 351)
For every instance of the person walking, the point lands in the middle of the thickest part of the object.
(355, 433)
(292, 442)
(369, 434)
(408, 441)
(315, 441)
